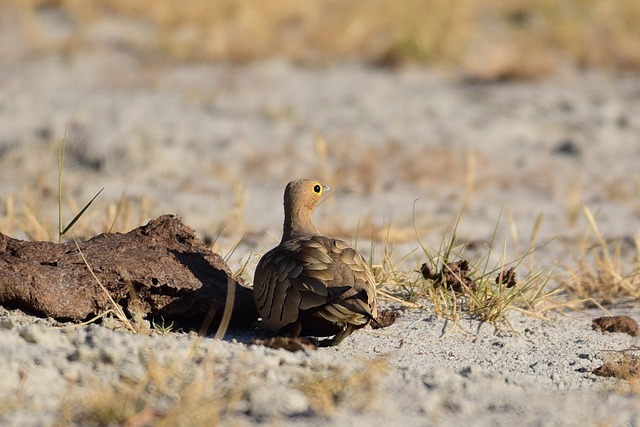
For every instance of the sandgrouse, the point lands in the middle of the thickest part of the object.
(309, 284)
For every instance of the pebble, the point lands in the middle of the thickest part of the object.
(6, 323)
(277, 400)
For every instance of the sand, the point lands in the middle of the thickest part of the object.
(408, 148)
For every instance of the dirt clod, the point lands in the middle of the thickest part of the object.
(427, 272)
(627, 368)
(385, 318)
(508, 278)
(453, 275)
(158, 270)
(624, 324)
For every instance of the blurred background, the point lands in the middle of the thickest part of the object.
(493, 39)
(410, 110)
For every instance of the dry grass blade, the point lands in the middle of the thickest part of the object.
(594, 227)
(602, 275)
(61, 147)
(93, 319)
(385, 295)
(119, 209)
(228, 309)
(117, 309)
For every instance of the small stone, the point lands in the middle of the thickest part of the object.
(567, 147)
(30, 334)
(6, 323)
(274, 401)
(109, 355)
(294, 403)
(71, 373)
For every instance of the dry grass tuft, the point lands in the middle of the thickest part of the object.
(170, 392)
(450, 282)
(25, 215)
(602, 275)
(197, 390)
(357, 389)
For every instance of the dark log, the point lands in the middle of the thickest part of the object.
(161, 269)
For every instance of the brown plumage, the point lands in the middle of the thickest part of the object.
(311, 284)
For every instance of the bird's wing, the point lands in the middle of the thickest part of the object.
(311, 273)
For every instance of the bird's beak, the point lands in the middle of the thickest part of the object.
(327, 188)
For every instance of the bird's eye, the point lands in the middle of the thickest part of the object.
(317, 188)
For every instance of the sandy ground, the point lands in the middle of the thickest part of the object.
(216, 143)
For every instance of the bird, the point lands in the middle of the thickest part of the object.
(310, 284)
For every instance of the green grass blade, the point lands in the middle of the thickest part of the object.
(61, 145)
(77, 217)
(123, 200)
